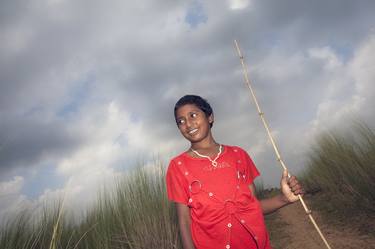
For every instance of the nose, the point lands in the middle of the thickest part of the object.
(188, 123)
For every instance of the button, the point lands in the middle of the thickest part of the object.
(242, 221)
(179, 162)
(210, 194)
(239, 161)
(227, 246)
(243, 176)
(238, 186)
(190, 200)
(186, 173)
(229, 224)
(235, 150)
(255, 237)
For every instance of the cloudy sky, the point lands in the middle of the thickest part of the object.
(87, 88)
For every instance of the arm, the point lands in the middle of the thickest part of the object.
(184, 221)
(290, 189)
(272, 204)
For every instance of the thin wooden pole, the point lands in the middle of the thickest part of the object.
(261, 114)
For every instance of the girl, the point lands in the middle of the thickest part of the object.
(212, 186)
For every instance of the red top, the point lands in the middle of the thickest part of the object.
(223, 211)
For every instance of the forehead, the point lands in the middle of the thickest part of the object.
(186, 109)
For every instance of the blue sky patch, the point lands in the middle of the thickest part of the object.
(195, 14)
(76, 96)
(45, 178)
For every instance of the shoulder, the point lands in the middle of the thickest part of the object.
(236, 149)
(237, 152)
(176, 162)
(175, 172)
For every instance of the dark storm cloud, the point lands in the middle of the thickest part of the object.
(25, 142)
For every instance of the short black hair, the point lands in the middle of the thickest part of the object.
(200, 102)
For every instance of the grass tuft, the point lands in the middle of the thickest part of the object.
(342, 165)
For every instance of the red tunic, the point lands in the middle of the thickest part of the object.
(224, 213)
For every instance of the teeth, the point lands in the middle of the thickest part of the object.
(193, 131)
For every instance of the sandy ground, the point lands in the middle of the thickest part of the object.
(302, 234)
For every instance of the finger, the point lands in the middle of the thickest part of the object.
(293, 181)
(299, 192)
(293, 178)
(295, 186)
(297, 189)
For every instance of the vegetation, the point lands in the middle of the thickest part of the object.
(342, 165)
(137, 214)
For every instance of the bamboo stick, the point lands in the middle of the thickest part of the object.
(261, 114)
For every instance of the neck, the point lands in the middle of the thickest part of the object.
(205, 144)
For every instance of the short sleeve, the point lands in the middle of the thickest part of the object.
(176, 182)
(251, 171)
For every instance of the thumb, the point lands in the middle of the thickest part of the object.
(285, 174)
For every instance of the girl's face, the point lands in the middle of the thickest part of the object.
(193, 123)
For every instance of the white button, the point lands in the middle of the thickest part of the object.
(227, 246)
(239, 161)
(235, 150)
(243, 176)
(210, 194)
(238, 187)
(186, 173)
(229, 224)
(190, 200)
(255, 237)
(179, 162)
(243, 221)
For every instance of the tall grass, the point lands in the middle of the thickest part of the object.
(24, 230)
(136, 214)
(342, 164)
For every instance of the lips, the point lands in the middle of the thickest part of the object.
(192, 131)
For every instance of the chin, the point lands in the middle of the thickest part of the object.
(195, 139)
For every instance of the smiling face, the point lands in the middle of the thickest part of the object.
(193, 123)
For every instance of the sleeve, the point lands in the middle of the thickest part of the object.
(177, 188)
(251, 171)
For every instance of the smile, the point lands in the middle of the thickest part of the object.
(193, 131)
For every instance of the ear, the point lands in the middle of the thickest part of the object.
(211, 118)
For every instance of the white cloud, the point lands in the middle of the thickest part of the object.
(11, 187)
(362, 69)
(11, 197)
(117, 142)
(106, 128)
(238, 4)
(328, 57)
(351, 90)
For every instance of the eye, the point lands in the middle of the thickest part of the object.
(193, 115)
(180, 121)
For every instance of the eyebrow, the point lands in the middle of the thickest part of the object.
(179, 118)
(193, 111)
